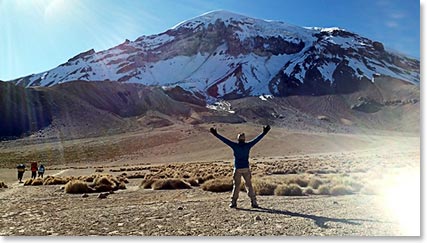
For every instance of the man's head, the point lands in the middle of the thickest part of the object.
(241, 137)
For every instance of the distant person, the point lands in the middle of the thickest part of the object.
(34, 169)
(241, 151)
(21, 170)
(41, 171)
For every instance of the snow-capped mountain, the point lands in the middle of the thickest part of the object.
(227, 55)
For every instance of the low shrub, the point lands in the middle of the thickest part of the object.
(55, 180)
(299, 180)
(203, 179)
(146, 183)
(3, 185)
(218, 185)
(308, 191)
(288, 190)
(340, 190)
(77, 186)
(105, 184)
(28, 182)
(170, 184)
(37, 182)
(314, 183)
(136, 175)
(263, 187)
(192, 182)
(323, 190)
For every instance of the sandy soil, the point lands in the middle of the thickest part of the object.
(47, 210)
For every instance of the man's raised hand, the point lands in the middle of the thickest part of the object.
(213, 131)
(266, 129)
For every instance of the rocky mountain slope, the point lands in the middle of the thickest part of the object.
(220, 67)
(85, 109)
(226, 55)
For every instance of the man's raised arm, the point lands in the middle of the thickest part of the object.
(223, 139)
(259, 137)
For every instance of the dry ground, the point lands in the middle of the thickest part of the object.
(369, 165)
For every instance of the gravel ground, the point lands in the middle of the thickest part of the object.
(47, 210)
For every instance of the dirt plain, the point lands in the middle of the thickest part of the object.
(375, 162)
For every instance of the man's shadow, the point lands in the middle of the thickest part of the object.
(318, 220)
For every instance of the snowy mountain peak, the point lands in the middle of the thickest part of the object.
(211, 17)
(221, 54)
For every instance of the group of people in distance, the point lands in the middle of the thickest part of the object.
(34, 169)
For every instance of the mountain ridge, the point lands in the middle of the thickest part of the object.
(224, 55)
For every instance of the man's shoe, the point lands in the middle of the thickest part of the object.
(233, 205)
(254, 205)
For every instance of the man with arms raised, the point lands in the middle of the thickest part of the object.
(241, 151)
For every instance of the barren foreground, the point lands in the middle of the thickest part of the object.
(381, 199)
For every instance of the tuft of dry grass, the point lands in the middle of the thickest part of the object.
(28, 182)
(300, 180)
(146, 183)
(218, 185)
(192, 182)
(308, 191)
(314, 183)
(77, 186)
(288, 190)
(263, 187)
(204, 179)
(105, 184)
(3, 185)
(122, 186)
(323, 190)
(170, 184)
(37, 182)
(55, 180)
(341, 190)
(136, 175)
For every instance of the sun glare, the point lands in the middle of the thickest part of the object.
(401, 200)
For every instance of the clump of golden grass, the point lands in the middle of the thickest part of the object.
(288, 190)
(28, 182)
(203, 179)
(340, 190)
(300, 180)
(349, 182)
(308, 191)
(192, 182)
(123, 179)
(323, 190)
(122, 186)
(3, 185)
(105, 183)
(37, 182)
(218, 185)
(77, 186)
(100, 183)
(136, 175)
(263, 187)
(314, 183)
(146, 183)
(90, 178)
(55, 180)
(170, 184)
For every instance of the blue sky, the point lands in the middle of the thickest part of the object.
(37, 35)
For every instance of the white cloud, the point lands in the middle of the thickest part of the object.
(392, 24)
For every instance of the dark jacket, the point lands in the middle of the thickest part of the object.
(241, 150)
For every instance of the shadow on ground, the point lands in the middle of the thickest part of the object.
(318, 220)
